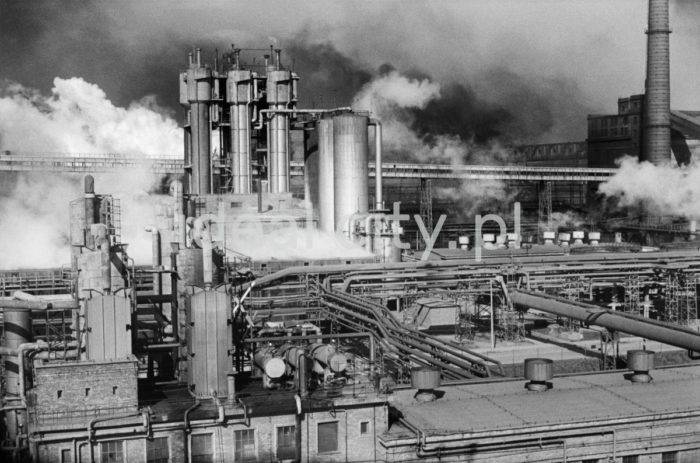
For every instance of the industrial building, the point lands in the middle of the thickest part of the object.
(504, 340)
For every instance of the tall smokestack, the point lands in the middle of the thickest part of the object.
(657, 104)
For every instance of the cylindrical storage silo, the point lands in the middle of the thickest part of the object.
(326, 193)
(350, 168)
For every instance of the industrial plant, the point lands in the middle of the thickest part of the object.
(309, 300)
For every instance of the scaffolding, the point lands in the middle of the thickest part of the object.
(572, 289)
(465, 317)
(632, 294)
(680, 298)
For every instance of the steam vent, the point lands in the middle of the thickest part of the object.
(337, 251)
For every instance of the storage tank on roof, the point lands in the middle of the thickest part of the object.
(350, 167)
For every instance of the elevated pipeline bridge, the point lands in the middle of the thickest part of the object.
(18, 161)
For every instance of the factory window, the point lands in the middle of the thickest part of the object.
(59, 394)
(286, 443)
(112, 452)
(669, 457)
(114, 390)
(364, 427)
(87, 391)
(328, 437)
(630, 459)
(157, 450)
(201, 449)
(244, 442)
(66, 456)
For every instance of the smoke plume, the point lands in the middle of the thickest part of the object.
(76, 118)
(663, 190)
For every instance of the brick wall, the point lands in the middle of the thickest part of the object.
(72, 393)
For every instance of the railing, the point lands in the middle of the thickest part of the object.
(70, 162)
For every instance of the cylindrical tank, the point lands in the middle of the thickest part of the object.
(350, 167)
(240, 95)
(326, 193)
(18, 330)
(279, 96)
(199, 98)
(329, 357)
(538, 371)
(271, 365)
(657, 103)
(641, 362)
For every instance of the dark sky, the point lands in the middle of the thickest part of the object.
(521, 71)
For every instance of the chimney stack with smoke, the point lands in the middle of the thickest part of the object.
(657, 104)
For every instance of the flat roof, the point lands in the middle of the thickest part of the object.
(486, 406)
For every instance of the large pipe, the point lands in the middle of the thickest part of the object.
(180, 223)
(593, 315)
(657, 104)
(377, 163)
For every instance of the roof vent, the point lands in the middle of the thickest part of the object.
(539, 372)
(641, 362)
(426, 380)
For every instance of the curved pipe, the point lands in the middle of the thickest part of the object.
(377, 163)
(91, 427)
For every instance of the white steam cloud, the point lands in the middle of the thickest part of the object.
(664, 190)
(389, 97)
(76, 118)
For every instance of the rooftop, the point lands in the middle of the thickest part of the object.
(487, 406)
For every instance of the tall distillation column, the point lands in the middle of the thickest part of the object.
(196, 94)
(281, 95)
(657, 106)
(240, 95)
